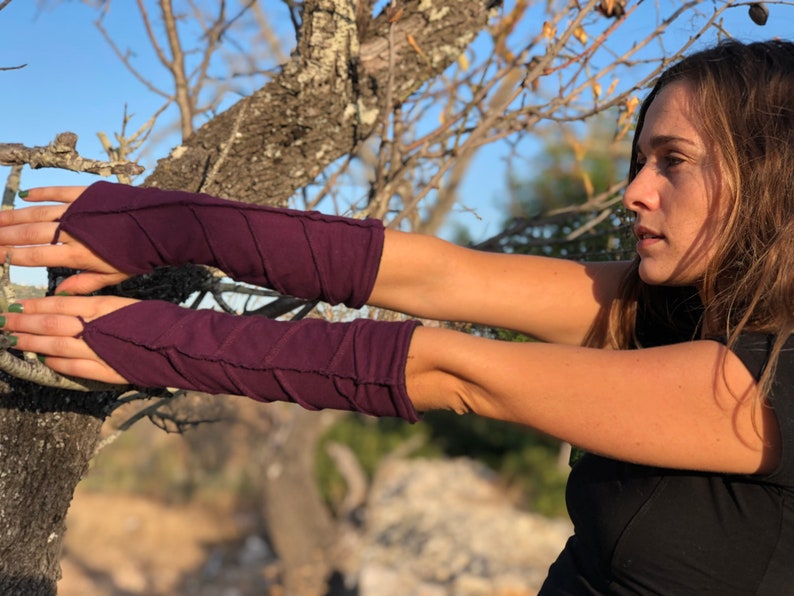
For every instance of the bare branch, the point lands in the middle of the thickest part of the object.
(138, 416)
(214, 34)
(212, 37)
(12, 187)
(128, 64)
(62, 153)
(177, 68)
(267, 34)
(295, 8)
(150, 34)
(324, 101)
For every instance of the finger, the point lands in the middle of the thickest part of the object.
(87, 282)
(58, 194)
(62, 305)
(63, 347)
(38, 214)
(51, 325)
(55, 255)
(95, 370)
(87, 307)
(25, 234)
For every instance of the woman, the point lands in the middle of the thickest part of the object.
(688, 484)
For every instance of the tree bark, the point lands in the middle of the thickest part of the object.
(47, 438)
(328, 98)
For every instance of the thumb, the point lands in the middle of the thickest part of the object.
(88, 281)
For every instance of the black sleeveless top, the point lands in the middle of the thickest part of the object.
(646, 530)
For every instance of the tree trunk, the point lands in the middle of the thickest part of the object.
(47, 438)
(299, 524)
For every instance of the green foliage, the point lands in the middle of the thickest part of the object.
(525, 460)
(535, 472)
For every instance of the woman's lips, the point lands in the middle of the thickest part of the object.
(647, 237)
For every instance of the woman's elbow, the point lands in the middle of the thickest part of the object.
(437, 390)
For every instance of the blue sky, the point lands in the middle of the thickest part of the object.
(74, 82)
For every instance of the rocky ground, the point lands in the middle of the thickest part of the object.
(431, 528)
(445, 528)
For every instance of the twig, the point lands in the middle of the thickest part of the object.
(176, 65)
(125, 59)
(140, 415)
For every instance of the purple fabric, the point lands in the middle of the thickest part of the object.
(304, 254)
(357, 366)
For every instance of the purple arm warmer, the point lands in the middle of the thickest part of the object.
(357, 366)
(303, 254)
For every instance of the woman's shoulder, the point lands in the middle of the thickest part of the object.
(755, 350)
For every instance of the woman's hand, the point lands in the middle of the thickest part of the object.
(27, 235)
(51, 327)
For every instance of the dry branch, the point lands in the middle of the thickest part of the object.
(325, 101)
(62, 154)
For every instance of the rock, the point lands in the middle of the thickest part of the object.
(444, 527)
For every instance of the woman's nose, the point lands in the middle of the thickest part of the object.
(641, 194)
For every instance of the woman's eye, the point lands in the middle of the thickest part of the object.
(672, 160)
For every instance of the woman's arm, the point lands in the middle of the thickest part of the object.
(551, 299)
(686, 406)
(306, 255)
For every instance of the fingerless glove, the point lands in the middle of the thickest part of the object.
(303, 254)
(357, 366)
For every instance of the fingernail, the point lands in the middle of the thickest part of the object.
(40, 358)
(15, 307)
(63, 294)
(22, 194)
(12, 339)
(2, 321)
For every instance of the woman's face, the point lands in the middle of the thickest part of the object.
(676, 196)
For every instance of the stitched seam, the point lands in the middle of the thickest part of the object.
(265, 367)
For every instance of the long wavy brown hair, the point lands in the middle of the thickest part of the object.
(744, 99)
